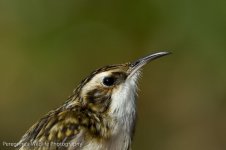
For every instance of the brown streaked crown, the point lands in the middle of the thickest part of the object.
(95, 93)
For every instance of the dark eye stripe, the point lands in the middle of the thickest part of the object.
(119, 75)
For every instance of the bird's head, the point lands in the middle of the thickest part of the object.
(112, 88)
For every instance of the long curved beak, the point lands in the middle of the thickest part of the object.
(136, 65)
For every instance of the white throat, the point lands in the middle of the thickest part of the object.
(123, 105)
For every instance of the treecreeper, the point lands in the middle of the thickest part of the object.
(99, 115)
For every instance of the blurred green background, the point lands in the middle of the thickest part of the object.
(48, 46)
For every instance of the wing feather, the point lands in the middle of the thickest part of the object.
(60, 128)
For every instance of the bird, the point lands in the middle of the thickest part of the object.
(99, 115)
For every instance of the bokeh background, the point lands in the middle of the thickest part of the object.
(48, 46)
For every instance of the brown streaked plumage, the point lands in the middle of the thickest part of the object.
(99, 115)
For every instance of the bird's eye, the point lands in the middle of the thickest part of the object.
(108, 81)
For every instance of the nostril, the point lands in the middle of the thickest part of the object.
(134, 63)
